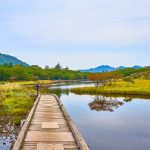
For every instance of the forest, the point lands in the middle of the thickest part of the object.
(9, 72)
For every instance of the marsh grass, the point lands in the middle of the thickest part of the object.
(140, 87)
(34, 82)
(15, 100)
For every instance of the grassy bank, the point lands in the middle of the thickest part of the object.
(140, 87)
(15, 101)
(17, 98)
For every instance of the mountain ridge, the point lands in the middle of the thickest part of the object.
(7, 59)
(107, 68)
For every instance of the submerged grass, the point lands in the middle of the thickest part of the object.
(140, 87)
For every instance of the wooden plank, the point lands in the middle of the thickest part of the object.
(48, 105)
(47, 125)
(41, 136)
(41, 146)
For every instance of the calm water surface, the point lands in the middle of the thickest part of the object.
(109, 123)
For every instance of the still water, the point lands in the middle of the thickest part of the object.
(108, 122)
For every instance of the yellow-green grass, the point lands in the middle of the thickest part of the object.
(34, 82)
(15, 100)
(140, 87)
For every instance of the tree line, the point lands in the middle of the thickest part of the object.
(9, 72)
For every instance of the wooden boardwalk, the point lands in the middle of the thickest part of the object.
(48, 127)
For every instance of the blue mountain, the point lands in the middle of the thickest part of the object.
(106, 68)
(136, 67)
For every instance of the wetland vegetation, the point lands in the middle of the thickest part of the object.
(139, 87)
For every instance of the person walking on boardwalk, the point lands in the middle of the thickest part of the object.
(37, 87)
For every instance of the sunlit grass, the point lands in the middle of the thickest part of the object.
(140, 87)
(9, 87)
(15, 100)
(34, 82)
(18, 105)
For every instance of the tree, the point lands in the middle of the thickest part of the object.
(66, 68)
(129, 80)
(102, 79)
(58, 66)
(47, 67)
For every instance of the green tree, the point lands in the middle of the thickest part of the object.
(58, 66)
(47, 67)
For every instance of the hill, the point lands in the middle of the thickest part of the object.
(7, 59)
(106, 68)
(143, 72)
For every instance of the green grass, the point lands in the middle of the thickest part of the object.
(18, 104)
(140, 87)
(16, 101)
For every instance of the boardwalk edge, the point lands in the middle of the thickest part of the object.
(78, 137)
(18, 144)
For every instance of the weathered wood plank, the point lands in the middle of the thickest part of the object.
(42, 146)
(42, 136)
(47, 125)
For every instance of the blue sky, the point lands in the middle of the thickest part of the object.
(76, 33)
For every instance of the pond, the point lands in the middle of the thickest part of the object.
(108, 122)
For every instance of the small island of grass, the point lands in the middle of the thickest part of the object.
(139, 87)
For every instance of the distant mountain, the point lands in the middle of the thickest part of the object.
(102, 68)
(106, 68)
(10, 59)
(136, 67)
(121, 67)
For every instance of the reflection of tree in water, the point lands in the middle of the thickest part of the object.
(102, 103)
(59, 92)
(127, 99)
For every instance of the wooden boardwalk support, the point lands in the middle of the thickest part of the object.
(49, 127)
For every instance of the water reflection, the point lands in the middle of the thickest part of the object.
(128, 99)
(59, 92)
(64, 88)
(102, 103)
(125, 117)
